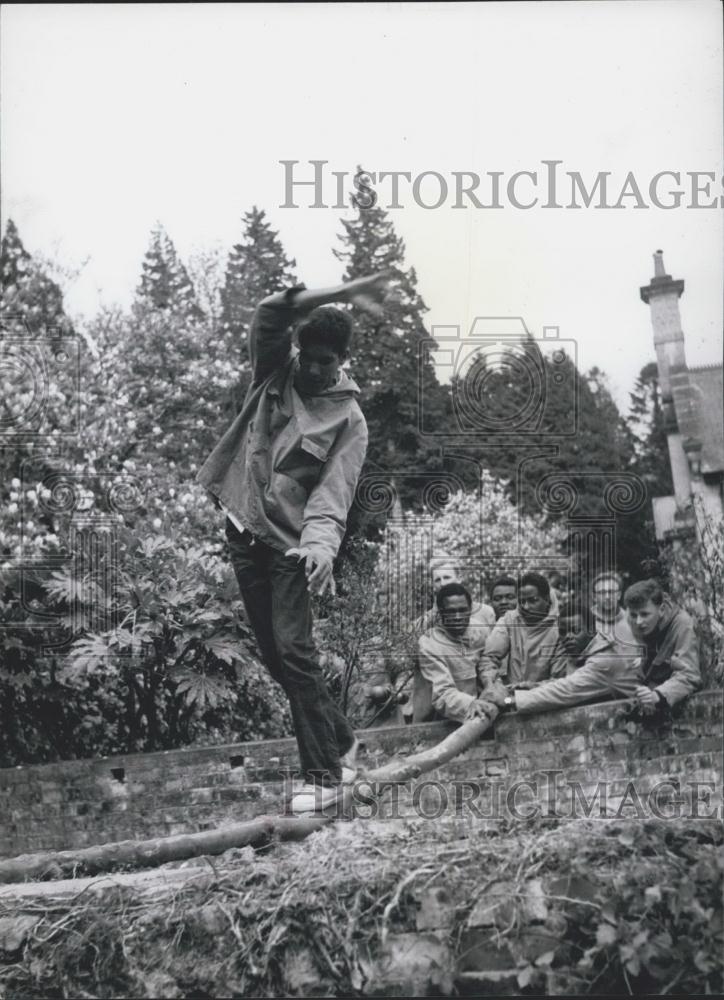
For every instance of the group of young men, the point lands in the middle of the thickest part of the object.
(285, 474)
(527, 653)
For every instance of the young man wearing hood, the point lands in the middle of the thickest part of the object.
(285, 474)
(528, 637)
(605, 667)
(446, 683)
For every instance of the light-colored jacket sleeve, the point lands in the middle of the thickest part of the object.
(270, 335)
(497, 647)
(447, 698)
(598, 678)
(685, 673)
(325, 513)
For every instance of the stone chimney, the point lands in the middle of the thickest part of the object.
(662, 295)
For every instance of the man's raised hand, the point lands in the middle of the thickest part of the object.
(369, 293)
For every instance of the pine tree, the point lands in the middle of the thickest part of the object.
(646, 418)
(601, 447)
(385, 359)
(29, 297)
(165, 283)
(257, 266)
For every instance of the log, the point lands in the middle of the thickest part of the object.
(399, 771)
(256, 832)
(158, 851)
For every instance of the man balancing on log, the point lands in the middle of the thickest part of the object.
(285, 474)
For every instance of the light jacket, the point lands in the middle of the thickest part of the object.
(619, 629)
(670, 663)
(287, 467)
(447, 678)
(610, 668)
(535, 652)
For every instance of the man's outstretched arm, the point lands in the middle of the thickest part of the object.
(600, 677)
(270, 338)
(366, 293)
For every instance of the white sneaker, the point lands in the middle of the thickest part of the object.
(314, 798)
(349, 760)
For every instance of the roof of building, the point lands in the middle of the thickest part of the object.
(699, 401)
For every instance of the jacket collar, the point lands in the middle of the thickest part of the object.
(442, 635)
(597, 645)
(516, 618)
(344, 386)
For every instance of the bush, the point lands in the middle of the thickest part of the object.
(174, 663)
(696, 581)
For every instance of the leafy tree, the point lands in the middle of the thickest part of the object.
(150, 387)
(165, 282)
(174, 388)
(385, 357)
(175, 376)
(693, 572)
(40, 361)
(206, 271)
(383, 588)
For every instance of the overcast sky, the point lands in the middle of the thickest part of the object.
(114, 116)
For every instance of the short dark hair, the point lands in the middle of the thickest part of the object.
(452, 590)
(577, 606)
(642, 592)
(539, 582)
(504, 581)
(326, 325)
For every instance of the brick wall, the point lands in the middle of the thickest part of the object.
(550, 761)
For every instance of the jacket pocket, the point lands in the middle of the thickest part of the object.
(305, 461)
(316, 447)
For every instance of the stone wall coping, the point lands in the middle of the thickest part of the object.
(506, 729)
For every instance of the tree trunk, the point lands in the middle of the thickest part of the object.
(427, 760)
(151, 853)
(256, 832)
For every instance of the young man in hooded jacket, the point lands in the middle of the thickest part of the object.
(523, 647)
(285, 474)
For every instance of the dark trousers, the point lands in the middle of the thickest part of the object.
(278, 606)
